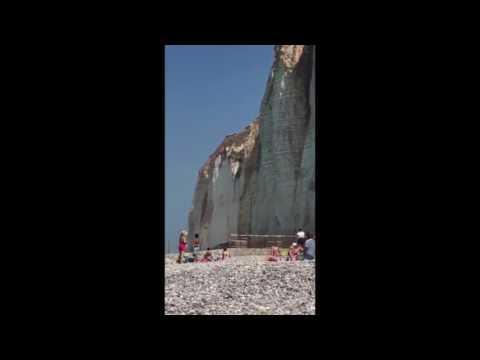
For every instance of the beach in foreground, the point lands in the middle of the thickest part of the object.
(243, 285)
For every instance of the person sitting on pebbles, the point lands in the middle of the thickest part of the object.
(275, 254)
(300, 252)
(292, 252)
(297, 253)
(207, 256)
(310, 247)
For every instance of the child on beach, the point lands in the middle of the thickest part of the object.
(196, 247)
(182, 246)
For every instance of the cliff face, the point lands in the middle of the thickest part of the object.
(262, 180)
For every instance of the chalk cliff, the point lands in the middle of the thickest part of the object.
(262, 179)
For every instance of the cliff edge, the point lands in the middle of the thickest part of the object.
(262, 179)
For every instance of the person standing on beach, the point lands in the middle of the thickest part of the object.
(196, 247)
(182, 246)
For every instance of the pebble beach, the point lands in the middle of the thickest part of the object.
(241, 285)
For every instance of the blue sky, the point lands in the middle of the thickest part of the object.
(210, 91)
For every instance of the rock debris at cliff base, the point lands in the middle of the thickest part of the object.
(246, 285)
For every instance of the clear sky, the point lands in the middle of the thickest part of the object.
(210, 91)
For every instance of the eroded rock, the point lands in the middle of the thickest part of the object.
(262, 179)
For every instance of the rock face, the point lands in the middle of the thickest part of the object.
(262, 180)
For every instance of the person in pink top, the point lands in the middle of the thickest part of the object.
(182, 246)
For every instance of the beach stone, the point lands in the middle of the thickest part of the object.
(246, 285)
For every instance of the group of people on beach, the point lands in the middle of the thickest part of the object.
(207, 256)
(301, 249)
